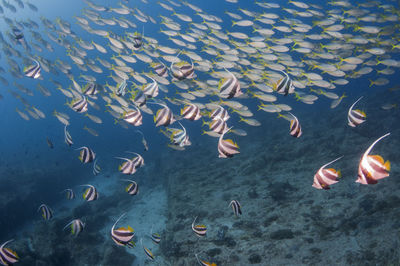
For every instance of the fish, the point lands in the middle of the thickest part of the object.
(144, 142)
(8, 256)
(122, 236)
(324, 178)
(87, 155)
(199, 229)
(160, 69)
(229, 87)
(129, 167)
(47, 213)
(227, 148)
(49, 143)
(355, 117)
(155, 236)
(67, 137)
(79, 105)
(236, 207)
(96, 168)
(164, 116)
(69, 193)
(219, 112)
(191, 112)
(132, 188)
(372, 167)
(217, 125)
(295, 127)
(33, 71)
(151, 90)
(76, 226)
(91, 131)
(284, 85)
(133, 117)
(90, 193)
(203, 262)
(147, 251)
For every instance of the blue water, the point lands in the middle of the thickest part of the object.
(285, 221)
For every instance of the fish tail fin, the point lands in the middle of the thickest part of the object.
(371, 82)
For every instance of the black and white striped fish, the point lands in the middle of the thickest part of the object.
(87, 155)
(284, 85)
(96, 168)
(355, 117)
(67, 137)
(79, 105)
(47, 213)
(132, 188)
(133, 117)
(7, 256)
(219, 112)
(180, 137)
(76, 226)
(226, 147)
(69, 193)
(147, 251)
(217, 125)
(229, 87)
(122, 236)
(138, 97)
(295, 127)
(182, 70)
(237, 209)
(90, 193)
(137, 39)
(164, 116)
(90, 89)
(151, 89)
(160, 69)
(130, 166)
(33, 71)
(199, 229)
(155, 236)
(191, 112)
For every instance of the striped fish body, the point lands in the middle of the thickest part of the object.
(148, 253)
(70, 194)
(164, 117)
(325, 177)
(121, 90)
(284, 86)
(132, 188)
(227, 148)
(87, 155)
(137, 41)
(237, 209)
(139, 98)
(67, 137)
(33, 71)
(151, 90)
(76, 226)
(161, 70)
(200, 229)
(156, 238)
(122, 236)
(356, 117)
(372, 167)
(138, 162)
(219, 112)
(90, 89)
(127, 168)
(187, 71)
(47, 213)
(191, 112)
(91, 194)
(218, 126)
(7, 256)
(96, 168)
(229, 87)
(133, 117)
(177, 74)
(80, 105)
(295, 128)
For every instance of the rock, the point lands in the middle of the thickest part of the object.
(254, 258)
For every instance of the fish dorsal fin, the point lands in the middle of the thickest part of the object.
(378, 158)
